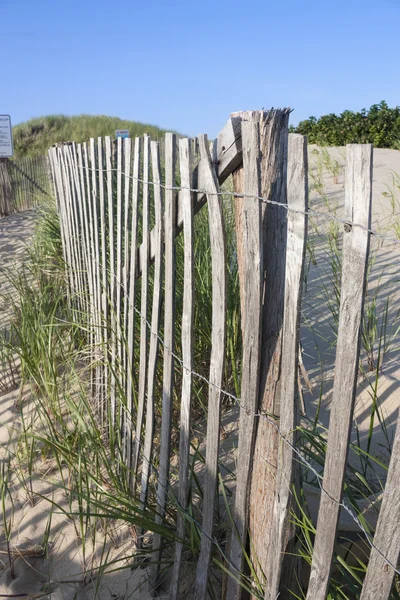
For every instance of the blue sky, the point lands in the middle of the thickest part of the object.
(186, 65)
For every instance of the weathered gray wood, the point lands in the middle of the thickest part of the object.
(187, 357)
(253, 273)
(378, 581)
(60, 191)
(217, 360)
(104, 282)
(358, 188)
(132, 294)
(169, 336)
(87, 206)
(227, 156)
(280, 566)
(96, 272)
(82, 174)
(126, 242)
(112, 282)
(143, 303)
(76, 269)
(155, 321)
(119, 265)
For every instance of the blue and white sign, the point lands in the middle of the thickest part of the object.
(122, 133)
(6, 141)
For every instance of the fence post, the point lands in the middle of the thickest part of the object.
(379, 578)
(252, 284)
(283, 564)
(358, 191)
(273, 126)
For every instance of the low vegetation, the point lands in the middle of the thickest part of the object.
(34, 137)
(378, 125)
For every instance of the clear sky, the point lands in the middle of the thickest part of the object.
(186, 65)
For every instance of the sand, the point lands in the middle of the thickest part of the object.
(60, 573)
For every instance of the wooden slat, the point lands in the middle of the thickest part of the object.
(59, 191)
(96, 271)
(119, 265)
(82, 174)
(217, 360)
(280, 566)
(131, 299)
(75, 268)
(358, 188)
(378, 581)
(187, 358)
(143, 303)
(126, 242)
(112, 283)
(253, 274)
(155, 321)
(169, 336)
(104, 282)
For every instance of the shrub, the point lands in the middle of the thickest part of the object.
(380, 125)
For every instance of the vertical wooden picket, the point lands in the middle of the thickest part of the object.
(185, 160)
(155, 321)
(131, 298)
(144, 259)
(169, 336)
(112, 284)
(358, 190)
(379, 579)
(217, 361)
(252, 279)
(282, 555)
(104, 284)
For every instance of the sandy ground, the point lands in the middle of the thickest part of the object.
(47, 554)
(317, 334)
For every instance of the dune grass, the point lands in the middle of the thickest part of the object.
(34, 137)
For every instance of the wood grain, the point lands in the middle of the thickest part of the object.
(358, 190)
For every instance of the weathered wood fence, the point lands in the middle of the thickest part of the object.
(24, 182)
(121, 207)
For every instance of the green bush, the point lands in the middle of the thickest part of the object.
(380, 125)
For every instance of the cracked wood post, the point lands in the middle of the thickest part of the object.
(273, 167)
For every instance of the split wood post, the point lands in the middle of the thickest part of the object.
(131, 298)
(143, 303)
(283, 571)
(273, 127)
(104, 284)
(252, 284)
(155, 322)
(378, 581)
(217, 361)
(358, 192)
(187, 357)
(273, 166)
(169, 336)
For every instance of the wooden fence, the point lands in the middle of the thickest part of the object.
(24, 182)
(121, 207)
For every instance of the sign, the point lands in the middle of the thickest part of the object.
(122, 133)
(6, 143)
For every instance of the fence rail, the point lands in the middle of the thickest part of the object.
(114, 224)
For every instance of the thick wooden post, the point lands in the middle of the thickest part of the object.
(273, 125)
